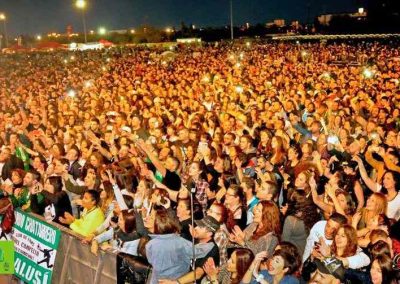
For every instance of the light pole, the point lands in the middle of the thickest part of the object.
(231, 2)
(81, 4)
(4, 18)
(168, 31)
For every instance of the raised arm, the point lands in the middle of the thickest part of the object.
(363, 172)
(153, 158)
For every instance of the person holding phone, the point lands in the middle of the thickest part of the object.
(31, 186)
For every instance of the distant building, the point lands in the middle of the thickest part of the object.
(325, 19)
(295, 24)
(279, 22)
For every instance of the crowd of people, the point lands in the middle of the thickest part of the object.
(246, 163)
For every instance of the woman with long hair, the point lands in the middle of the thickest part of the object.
(390, 186)
(294, 156)
(344, 246)
(142, 195)
(263, 233)
(376, 205)
(264, 146)
(301, 215)
(278, 151)
(232, 272)
(382, 271)
(122, 238)
(106, 198)
(378, 222)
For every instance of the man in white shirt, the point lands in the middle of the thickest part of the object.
(324, 231)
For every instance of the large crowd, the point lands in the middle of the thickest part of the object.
(246, 163)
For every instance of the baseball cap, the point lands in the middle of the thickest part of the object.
(332, 266)
(209, 222)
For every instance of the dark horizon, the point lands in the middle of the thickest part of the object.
(45, 16)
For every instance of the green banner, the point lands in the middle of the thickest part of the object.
(6, 257)
(35, 243)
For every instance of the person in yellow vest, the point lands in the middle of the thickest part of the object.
(91, 218)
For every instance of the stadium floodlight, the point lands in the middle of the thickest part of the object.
(102, 31)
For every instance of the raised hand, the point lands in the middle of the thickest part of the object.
(210, 269)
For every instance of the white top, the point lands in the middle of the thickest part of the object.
(393, 209)
(359, 260)
(317, 231)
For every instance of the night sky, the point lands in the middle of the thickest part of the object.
(43, 16)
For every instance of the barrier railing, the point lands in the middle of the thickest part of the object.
(74, 263)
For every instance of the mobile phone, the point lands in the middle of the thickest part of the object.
(333, 139)
(202, 146)
(374, 136)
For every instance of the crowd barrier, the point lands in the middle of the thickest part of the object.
(76, 264)
(73, 262)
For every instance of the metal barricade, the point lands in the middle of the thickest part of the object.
(76, 264)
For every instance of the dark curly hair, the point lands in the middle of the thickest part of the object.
(300, 206)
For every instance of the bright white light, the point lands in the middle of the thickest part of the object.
(80, 4)
(88, 84)
(133, 31)
(102, 30)
(248, 44)
(38, 37)
(368, 74)
(326, 75)
(297, 42)
(73, 45)
(104, 68)
(361, 10)
(304, 53)
(2, 17)
(168, 30)
(72, 57)
(65, 61)
(206, 79)
(108, 59)
(71, 93)
(241, 55)
(238, 65)
(239, 89)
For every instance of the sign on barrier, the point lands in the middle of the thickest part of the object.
(35, 243)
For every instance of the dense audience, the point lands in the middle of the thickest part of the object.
(262, 163)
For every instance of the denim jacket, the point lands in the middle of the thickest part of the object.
(171, 255)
